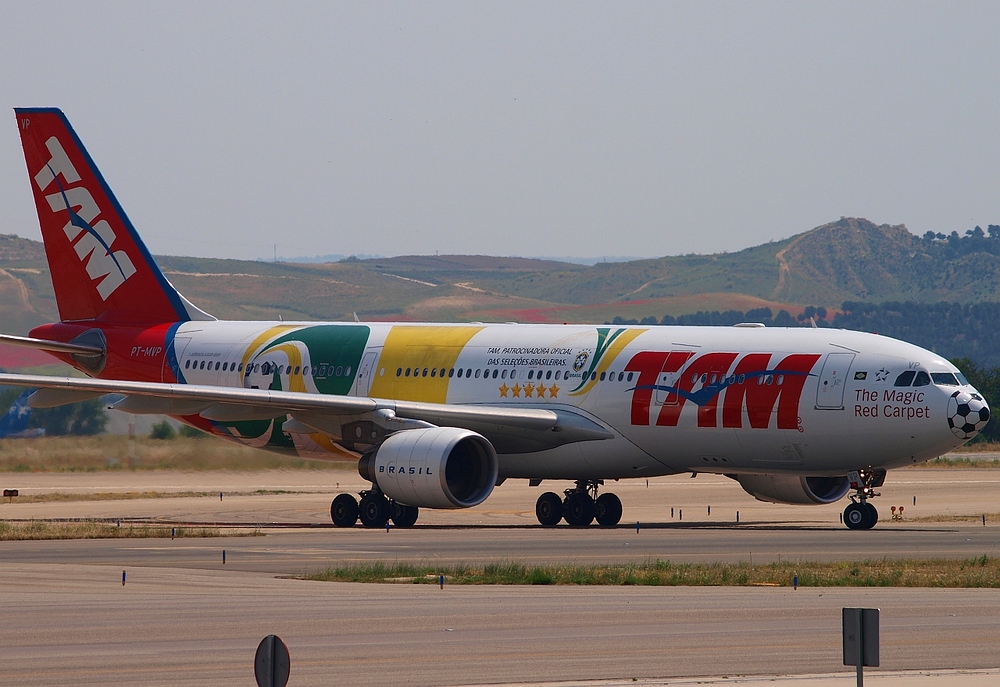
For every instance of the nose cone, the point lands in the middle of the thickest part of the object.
(968, 414)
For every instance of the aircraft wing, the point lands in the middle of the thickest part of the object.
(509, 429)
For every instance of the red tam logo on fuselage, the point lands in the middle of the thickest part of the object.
(91, 241)
(752, 385)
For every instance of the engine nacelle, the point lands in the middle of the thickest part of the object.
(436, 467)
(809, 491)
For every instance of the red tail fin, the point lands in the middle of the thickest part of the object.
(100, 268)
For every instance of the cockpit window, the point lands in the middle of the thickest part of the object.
(944, 379)
(922, 379)
(905, 378)
(961, 378)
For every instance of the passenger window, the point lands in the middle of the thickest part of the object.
(495, 373)
(322, 370)
(451, 373)
(442, 372)
(477, 374)
(224, 366)
(202, 366)
(217, 366)
(602, 376)
(513, 374)
(459, 373)
(486, 374)
(630, 376)
(298, 368)
(187, 364)
(504, 375)
(531, 374)
(905, 378)
(621, 376)
(407, 372)
(923, 379)
(434, 372)
(239, 368)
(399, 372)
(944, 379)
(347, 371)
(425, 372)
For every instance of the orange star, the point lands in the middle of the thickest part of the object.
(541, 391)
(528, 388)
(553, 391)
(504, 389)
(517, 390)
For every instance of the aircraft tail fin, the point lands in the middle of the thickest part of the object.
(101, 270)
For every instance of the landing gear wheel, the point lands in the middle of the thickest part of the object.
(871, 516)
(404, 516)
(549, 509)
(578, 509)
(344, 511)
(375, 510)
(855, 516)
(608, 510)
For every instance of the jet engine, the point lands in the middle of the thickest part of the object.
(794, 489)
(434, 467)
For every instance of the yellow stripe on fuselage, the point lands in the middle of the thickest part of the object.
(623, 339)
(420, 348)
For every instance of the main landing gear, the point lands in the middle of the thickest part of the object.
(859, 514)
(580, 507)
(375, 510)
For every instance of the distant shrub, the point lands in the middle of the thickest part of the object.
(162, 430)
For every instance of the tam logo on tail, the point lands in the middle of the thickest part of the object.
(92, 242)
(101, 270)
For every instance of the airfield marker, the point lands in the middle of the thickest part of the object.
(223, 556)
(795, 582)
(737, 517)
(441, 581)
(123, 578)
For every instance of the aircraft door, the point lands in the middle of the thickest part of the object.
(667, 379)
(366, 371)
(832, 381)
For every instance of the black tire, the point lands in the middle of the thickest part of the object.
(578, 509)
(344, 511)
(375, 510)
(608, 510)
(855, 516)
(871, 516)
(549, 509)
(404, 516)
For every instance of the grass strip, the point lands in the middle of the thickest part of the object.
(24, 531)
(61, 496)
(952, 462)
(976, 572)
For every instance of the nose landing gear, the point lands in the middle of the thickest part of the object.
(859, 514)
(580, 507)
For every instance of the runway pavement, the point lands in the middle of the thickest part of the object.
(184, 618)
(77, 624)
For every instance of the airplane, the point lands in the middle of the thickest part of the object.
(14, 423)
(437, 414)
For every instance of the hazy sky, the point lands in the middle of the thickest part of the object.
(584, 129)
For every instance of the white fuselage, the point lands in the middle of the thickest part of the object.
(811, 401)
